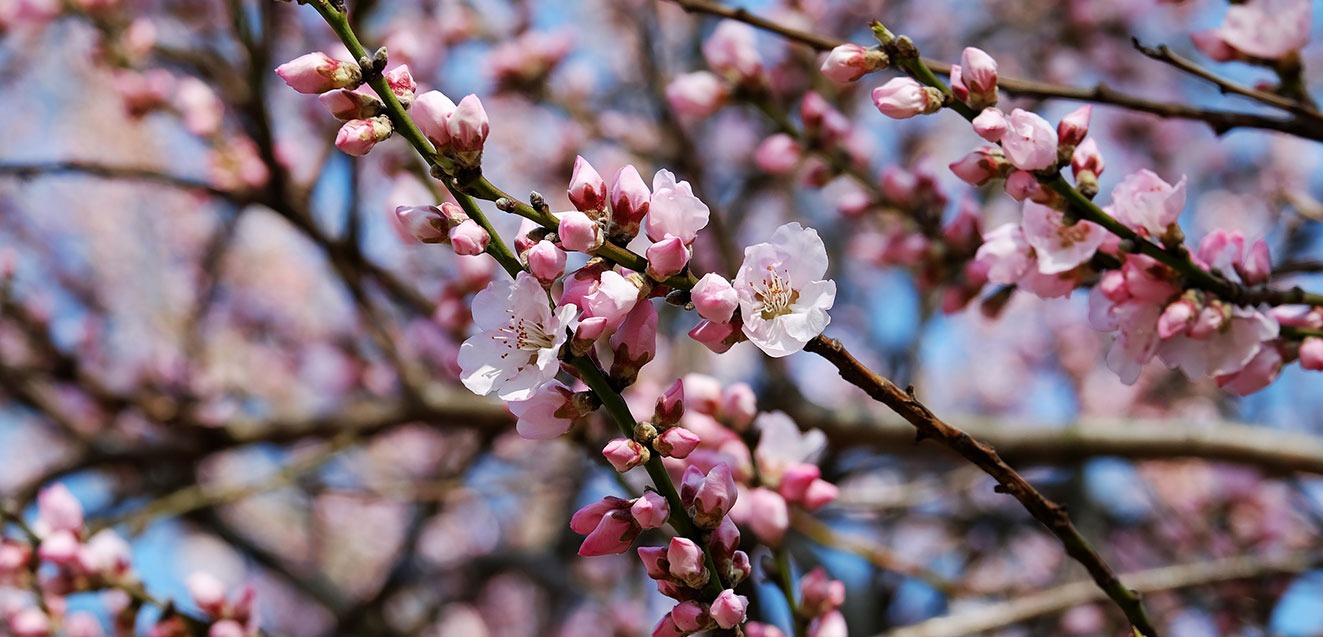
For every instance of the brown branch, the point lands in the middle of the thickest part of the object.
(1050, 514)
(1061, 598)
(1220, 121)
(1163, 54)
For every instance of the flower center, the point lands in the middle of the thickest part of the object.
(525, 335)
(1070, 235)
(775, 294)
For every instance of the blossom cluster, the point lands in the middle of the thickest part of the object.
(62, 558)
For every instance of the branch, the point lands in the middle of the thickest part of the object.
(1050, 514)
(1060, 598)
(1220, 121)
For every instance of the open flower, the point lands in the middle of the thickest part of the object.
(521, 337)
(783, 297)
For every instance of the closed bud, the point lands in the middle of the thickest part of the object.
(317, 72)
(677, 442)
(728, 609)
(903, 98)
(587, 189)
(345, 104)
(849, 62)
(686, 562)
(690, 616)
(625, 454)
(1072, 128)
(630, 200)
(715, 298)
(978, 74)
(358, 136)
(469, 238)
(545, 261)
(651, 510)
(990, 125)
(667, 258)
(670, 405)
(401, 84)
(718, 337)
(468, 125)
(431, 111)
(579, 232)
(981, 166)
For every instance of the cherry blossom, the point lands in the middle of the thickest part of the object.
(783, 297)
(517, 351)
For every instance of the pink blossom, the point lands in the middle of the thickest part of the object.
(1147, 204)
(469, 238)
(613, 298)
(431, 111)
(667, 258)
(1177, 318)
(30, 622)
(624, 454)
(1267, 29)
(686, 562)
(59, 547)
(317, 73)
(696, 95)
(728, 609)
(673, 210)
(1030, 142)
(1022, 185)
(546, 261)
(635, 340)
(58, 510)
(650, 510)
(1073, 127)
(783, 296)
(710, 496)
(1058, 246)
(430, 224)
(778, 154)
(690, 616)
(1232, 343)
(730, 50)
(227, 628)
(548, 413)
(738, 405)
(202, 110)
(357, 136)
(677, 442)
(1260, 372)
(207, 591)
(579, 232)
(981, 166)
(715, 298)
(991, 125)
(518, 349)
(105, 554)
(903, 98)
(587, 189)
(614, 534)
(768, 515)
(630, 201)
(1007, 254)
(820, 594)
(588, 517)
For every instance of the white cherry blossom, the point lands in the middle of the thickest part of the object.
(783, 297)
(517, 351)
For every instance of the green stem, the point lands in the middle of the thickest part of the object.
(785, 579)
(679, 519)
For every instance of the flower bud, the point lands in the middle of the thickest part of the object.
(686, 562)
(696, 95)
(731, 51)
(739, 406)
(768, 515)
(981, 166)
(587, 190)
(430, 111)
(545, 261)
(579, 232)
(990, 125)
(670, 405)
(1030, 143)
(207, 591)
(710, 496)
(820, 594)
(718, 337)
(978, 74)
(728, 609)
(345, 104)
(849, 62)
(903, 98)
(667, 258)
(651, 510)
(690, 616)
(613, 534)
(677, 442)
(715, 298)
(778, 154)
(1258, 264)
(358, 136)
(1311, 353)
(549, 412)
(630, 200)
(468, 125)
(401, 84)
(625, 454)
(667, 628)
(634, 341)
(1177, 318)
(1073, 127)
(313, 73)
(469, 238)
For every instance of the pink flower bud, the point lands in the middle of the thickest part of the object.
(728, 609)
(424, 223)
(546, 261)
(677, 442)
(667, 628)
(60, 547)
(1261, 371)
(579, 232)
(686, 562)
(630, 200)
(796, 479)
(981, 166)
(690, 616)
(990, 125)
(431, 111)
(819, 494)
(1087, 158)
(227, 628)
(401, 84)
(207, 592)
(715, 298)
(820, 594)
(1073, 127)
(768, 515)
(652, 557)
(709, 496)
(614, 534)
(673, 210)
(1258, 264)
(1311, 353)
(1177, 318)
(105, 554)
(1030, 143)
(346, 104)
(899, 186)
(903, 98)
(634, 341)
(30, 622)
(624, 454)
(778, 154)
(58, 509)
(1021, 185)
(978, 74)
(849, 62)
(468, 126)
(587, 518)
(469, 238)
(731, 51)
(586, 334)
(667, 258)
(739, 406)
(696, 95)
(756, 629)
(317, 73)
(651, 510)
(830, 625)
(670, 405)
(358, 136)
(587, 189)
(547, 414)
(718, 337)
